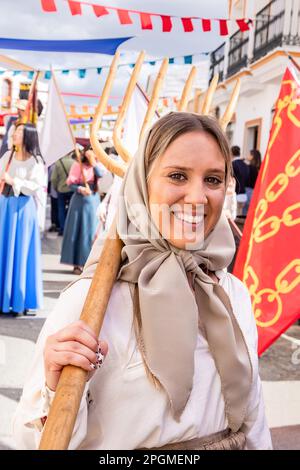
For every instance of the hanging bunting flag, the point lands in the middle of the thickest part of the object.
(187, 25)
(243, 25)
(166, 23)
(145, 17)
(100, 11)
(223, 27)
(81, 73)
(146, 22)
(48, 5)
(188, 59)
(124, 17)
(75, 7)
(206, 25)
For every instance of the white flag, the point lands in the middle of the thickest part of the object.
(134, 120)
(56, 137)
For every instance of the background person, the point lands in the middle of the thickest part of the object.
(59, 178)
(240, 173)
(254, 163)
(20, 250)
(11, 125)
(81, 222)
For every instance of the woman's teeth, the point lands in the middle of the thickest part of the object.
(190, 219)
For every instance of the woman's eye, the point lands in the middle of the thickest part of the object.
(213, 180)
(177, 176)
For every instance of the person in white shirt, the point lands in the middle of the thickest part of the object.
(179, 337)
(22, 175)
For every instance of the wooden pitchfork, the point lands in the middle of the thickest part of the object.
(61, 420)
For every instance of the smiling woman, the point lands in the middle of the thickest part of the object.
(179, 329)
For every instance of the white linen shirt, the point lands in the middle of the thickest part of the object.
(28, 175)
(121, 408)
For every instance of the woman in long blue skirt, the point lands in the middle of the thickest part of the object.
(22, 176)
(81, 223)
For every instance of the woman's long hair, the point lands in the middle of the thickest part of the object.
(256, 158)
(31, 141)
(85, 161)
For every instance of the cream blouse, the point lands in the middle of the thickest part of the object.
(121, 408)
(28, 175)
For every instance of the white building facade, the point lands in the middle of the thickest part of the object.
(259, 58)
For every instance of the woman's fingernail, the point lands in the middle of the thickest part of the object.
(100, 359)
(93, 366)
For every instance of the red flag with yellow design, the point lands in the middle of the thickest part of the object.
(268, 259)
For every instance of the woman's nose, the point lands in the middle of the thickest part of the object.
(196, 194)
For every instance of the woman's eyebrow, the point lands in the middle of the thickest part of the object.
(217, 170)
(178, 167)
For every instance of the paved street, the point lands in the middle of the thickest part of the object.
(279, 366)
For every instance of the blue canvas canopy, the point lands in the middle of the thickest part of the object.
(100, 46)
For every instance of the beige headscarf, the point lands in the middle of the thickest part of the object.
(170, 311)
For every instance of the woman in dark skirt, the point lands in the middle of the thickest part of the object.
(81, 222)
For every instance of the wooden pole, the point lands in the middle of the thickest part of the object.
(229, 9)
(112, 165)
(225, 119)
(209, 94)
(122, 151)
(155, 96)
(64, 409)
(197, 97)
(294, 62)
(15, 64)
(235, 228)
(31, 103)
(187, 89)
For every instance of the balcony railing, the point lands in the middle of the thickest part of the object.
(269, 28)
(217, 62)
(268, 35)
(238, 50)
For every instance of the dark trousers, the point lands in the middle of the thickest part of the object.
(54, 211)
(63, 201)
